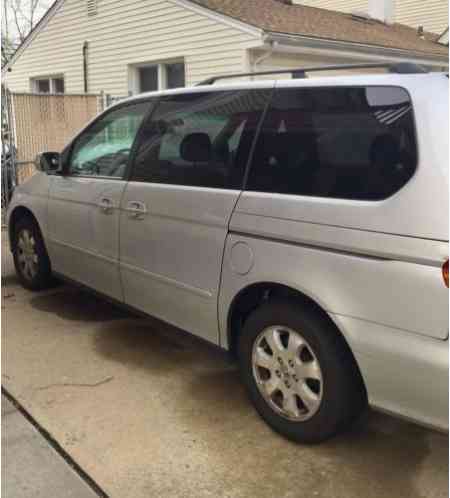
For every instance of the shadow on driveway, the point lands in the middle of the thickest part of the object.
(71, 303)
(379, 457)
(379, 453)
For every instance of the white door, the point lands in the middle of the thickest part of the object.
(84, 202)
(186, 180)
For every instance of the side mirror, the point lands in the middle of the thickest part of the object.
(48, 162)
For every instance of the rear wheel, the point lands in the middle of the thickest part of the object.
(30, 256)
(299, 373)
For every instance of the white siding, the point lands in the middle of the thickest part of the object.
(431, 14)
(280, 60)
(126, 32)
(287, 61)
(342, 5)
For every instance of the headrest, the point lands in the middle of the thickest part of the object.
(288, 147)
(196, 147)
(386, 149)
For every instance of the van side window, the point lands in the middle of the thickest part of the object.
(200, 139)
(103, 149)
(338, 142)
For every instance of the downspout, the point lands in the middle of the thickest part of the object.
(85, 65)
(272, 45)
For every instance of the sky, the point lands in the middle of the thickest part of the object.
(43, 5)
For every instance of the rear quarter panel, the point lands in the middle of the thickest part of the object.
(393, 314)
(400, 294)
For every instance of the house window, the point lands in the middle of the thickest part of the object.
(58, 85)
(48, 85)
(150, 78)
(43, 86)
(175, 75)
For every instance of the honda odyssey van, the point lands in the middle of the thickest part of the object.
(301, 224)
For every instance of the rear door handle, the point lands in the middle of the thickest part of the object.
(136, 209)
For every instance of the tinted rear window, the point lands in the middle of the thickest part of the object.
(341, 142)
(200, 139)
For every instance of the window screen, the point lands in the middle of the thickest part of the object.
(175, 75)
(200, 139)
(43, 86)
(339, 142)
(58, 85)
(148, 79)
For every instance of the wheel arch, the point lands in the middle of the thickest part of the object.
(18, 214)
(255, 294)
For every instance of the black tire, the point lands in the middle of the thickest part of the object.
(42, 278)
(343, 395)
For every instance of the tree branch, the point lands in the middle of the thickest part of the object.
(25, 14)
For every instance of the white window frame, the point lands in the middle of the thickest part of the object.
(50, 78)
(134, 79)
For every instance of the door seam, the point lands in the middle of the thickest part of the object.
(119, 239)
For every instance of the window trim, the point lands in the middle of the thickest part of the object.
(134, 82)
(50, 78)
(66, 154)
(300, 196)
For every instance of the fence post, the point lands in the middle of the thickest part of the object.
(102, 101)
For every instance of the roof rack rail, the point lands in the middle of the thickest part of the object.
(298, 73)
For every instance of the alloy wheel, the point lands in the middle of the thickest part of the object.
(27, 256)
(287, 373)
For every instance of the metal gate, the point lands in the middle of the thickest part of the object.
(9, 160)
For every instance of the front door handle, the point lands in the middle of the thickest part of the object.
(106, 205)
(136, 209)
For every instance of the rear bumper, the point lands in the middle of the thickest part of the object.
(405, 374)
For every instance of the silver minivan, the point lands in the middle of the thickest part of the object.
(301, 224)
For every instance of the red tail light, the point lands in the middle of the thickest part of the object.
(445, 273)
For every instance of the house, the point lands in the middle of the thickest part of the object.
(130, 46)
(444, 38)
(432, 15)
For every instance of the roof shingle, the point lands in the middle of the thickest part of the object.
(278, 17)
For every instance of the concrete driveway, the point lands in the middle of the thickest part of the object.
(147, 411)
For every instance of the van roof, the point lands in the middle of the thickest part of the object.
(386, 79)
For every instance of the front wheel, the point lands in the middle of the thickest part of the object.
(299, 373)
(30, 256)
